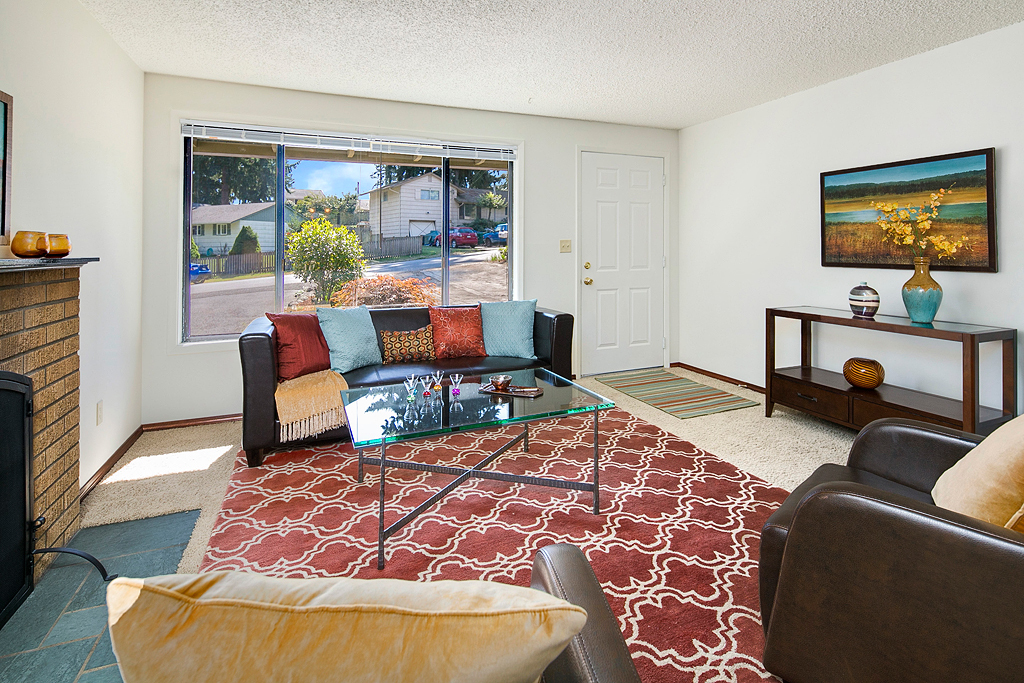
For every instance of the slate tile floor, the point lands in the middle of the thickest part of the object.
(59, 635)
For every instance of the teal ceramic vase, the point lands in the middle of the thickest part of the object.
(921, 294)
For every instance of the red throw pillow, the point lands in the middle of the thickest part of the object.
(301, 347)
(458, 331)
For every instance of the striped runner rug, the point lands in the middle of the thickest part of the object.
(677, 396)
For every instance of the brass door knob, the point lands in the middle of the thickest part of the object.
(588, 281)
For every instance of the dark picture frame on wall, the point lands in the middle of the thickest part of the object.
(852, 238)
(6, 115)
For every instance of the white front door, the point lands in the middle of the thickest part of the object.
(622, 323)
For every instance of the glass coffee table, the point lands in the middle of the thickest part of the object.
(386, 414)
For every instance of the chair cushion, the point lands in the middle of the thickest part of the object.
(508, 327)
(301, 347)
(235, 626)
(408, 347)
(458, 331)
(988, 482)
(350, 337)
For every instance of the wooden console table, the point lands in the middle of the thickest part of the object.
(828, 395)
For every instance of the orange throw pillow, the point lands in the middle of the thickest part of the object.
(458, 331)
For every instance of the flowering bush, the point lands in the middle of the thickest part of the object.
(387, 290)
(910, 225)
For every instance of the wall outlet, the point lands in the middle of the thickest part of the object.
(99, 413)
(565, 246)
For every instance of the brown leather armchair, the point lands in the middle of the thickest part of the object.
(863, 578)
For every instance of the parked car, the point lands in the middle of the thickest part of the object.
(459, 237)
(430, 238)
(497, 236)
(198, 272)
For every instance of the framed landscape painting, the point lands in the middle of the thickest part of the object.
(852, 237)
(6, 107)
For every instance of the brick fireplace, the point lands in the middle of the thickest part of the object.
(39, 309)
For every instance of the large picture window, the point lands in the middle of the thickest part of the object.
(292, 224)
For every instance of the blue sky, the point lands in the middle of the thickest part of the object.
(333, 177)
(909, 172)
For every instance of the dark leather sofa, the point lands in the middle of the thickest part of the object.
(552, 341)
(863, 578)
(598, 653)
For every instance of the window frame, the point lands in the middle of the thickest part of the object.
(184, 336)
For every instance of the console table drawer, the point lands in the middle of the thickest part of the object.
(811, 398)
(865, 412)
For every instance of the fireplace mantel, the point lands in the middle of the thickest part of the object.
(8, 265)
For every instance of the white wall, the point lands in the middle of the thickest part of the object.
(750, 224)
(77, 166)
(205, 379)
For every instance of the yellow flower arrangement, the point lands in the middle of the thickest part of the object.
(909, 226)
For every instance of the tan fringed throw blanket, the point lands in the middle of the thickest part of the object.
(310, 405)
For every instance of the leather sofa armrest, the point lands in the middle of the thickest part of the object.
(877, 587)
(552, 340)
(258, 351)
(909, 452)
(598, 653)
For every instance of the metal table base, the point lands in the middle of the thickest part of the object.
(462, 475)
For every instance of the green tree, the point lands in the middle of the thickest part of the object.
(480, 179)
(386, 174)
(194, 250)
(325, 256)
(338, 210)
(236, 180)
(247, 242)
(491, 201)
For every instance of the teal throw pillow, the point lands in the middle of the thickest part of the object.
(350, 336)
(508, 328)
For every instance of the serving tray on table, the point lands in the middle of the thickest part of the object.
(517, 392)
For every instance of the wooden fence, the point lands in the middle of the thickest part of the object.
(239, 264)
(263, 262)
(393, 246)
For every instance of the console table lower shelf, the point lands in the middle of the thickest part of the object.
(828, 395)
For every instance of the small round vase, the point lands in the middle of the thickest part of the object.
(30, 244)
(60, 246)
(864, 373)
(864, 301)
(921, 294)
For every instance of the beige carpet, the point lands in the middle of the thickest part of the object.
(188, 469)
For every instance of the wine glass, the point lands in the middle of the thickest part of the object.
(438, 375)
(410, 386)
(456, 379)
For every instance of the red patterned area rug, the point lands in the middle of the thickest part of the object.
(675, 545)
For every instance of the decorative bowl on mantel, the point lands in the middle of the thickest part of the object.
(60, 246)
(30, 244)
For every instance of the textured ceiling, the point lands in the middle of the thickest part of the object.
(668, 63)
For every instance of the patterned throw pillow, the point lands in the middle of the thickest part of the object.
(458, 331)
(408, 347)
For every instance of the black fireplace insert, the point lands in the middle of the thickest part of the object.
(17, 528)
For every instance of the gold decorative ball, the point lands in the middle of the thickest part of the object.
(864, 373)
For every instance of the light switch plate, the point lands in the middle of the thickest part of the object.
(565, 246)
(99, 413)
